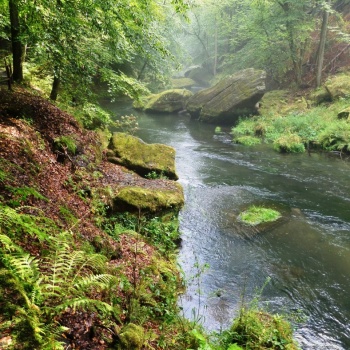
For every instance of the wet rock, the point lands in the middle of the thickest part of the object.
(143, 158)
(231, 98)
(168, 101)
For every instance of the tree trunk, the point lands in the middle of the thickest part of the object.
(320, 54)
(17, 49)
(215, 50)
(55, 86)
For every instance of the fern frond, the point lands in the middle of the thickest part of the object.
(23, 265)
(86, 304)
(8, 244)
(103, 281)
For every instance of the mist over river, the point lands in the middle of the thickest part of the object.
(306, 254)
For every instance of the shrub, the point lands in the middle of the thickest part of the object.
(248, 140)
(289, 143)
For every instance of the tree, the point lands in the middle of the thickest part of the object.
(17, 47)
(321, 49)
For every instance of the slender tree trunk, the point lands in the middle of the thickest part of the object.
(142, 70)
(215, 50)
(55, 85)
(320, 54)
(17, 49)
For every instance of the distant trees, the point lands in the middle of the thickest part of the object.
(280, 36)
(79, 41)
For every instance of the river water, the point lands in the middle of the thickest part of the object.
(306, 255)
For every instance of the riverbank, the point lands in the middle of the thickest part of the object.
(76, 273)
(299, 121)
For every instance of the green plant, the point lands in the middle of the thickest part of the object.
(20, 195)
(256, 215)
(289, 143)
(65, 144)
(154, 175)
(127, 124)
(336, 137)
(248, 140)
(46, 287)
(255, 328)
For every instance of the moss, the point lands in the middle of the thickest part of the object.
(131, 337)
(144, 158)
(290, 143)
(338, 86)
(182, 83)
(278, 102)
(248, 140)
(65, 143)
(255, 329)
(258, 215)
(149, 200)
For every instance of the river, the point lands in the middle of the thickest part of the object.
(306, 254)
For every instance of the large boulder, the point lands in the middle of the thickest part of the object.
(153, 200)
(338, 86)
(235, 96)
(201, 75)
(143, 158)
(168, 101)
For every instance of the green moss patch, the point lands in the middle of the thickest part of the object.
(149, 200)
(256, 215)
(141, 157)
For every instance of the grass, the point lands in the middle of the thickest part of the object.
(256, 215)
(296, 131)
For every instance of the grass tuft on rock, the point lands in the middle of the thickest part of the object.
(256, 215)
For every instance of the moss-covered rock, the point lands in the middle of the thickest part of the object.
(168, 101)
(182, 83)
(231, 98)
(319, 96)
(279, 102)
(344, 114)
(149, 199)
(131, 337)
(200, 75)
(338, 86)
(143, 158)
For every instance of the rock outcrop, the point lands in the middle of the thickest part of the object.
(150, 199)
(143, 158)
(168, 101)
(200, 75)
(231, 98)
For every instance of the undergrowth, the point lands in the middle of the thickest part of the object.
(317, 127)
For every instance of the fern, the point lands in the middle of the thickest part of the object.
(64, 275)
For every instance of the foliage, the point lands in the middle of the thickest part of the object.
(256, 215)
(92, 116)
(46, 287)
(295, 132)
(127, 124)
(290, 143)
(248, 140)
(65, 144)
(154, 175)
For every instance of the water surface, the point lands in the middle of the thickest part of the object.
(306, 254)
